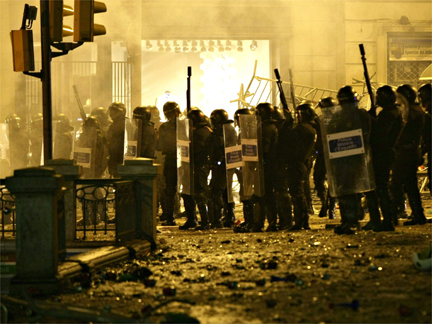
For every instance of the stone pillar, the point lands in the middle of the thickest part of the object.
(144, 173)
(39, 202)
(70, 172)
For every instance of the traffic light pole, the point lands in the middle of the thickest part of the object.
(46, 80)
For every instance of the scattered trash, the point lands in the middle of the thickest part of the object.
(355, 304)
(291, 240)
(169, 291)
(229, 284)
(325, 276)
(179, 318)
(268, 265)
(127, 277)
(423, 260)
(261, 282)
(225, 273)
(351, 246)
(150, 283)
(271, 303)
(176, 272)
(373, 267)
(324, 265)
(226, 242)
(299, 282)
(405, 310)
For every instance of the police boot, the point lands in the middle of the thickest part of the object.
(190, 212)
(285, 212)
(229, 215)
(248, 214)
(374, 213)
(299, 212)
(202, 208)
(418, 214)
(259, 218)
(217, 215)
(332, 208)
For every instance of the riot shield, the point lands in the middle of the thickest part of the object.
(85, 151)
(5, 170)
(185, 164)
(133, 134)
(347, 152)
(233, 159)
(252, 172)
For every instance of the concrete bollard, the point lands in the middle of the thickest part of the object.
(39, 205)
(70, 171)
(144, 173)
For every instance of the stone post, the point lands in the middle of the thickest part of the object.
(70, 172)
(144, 173)
(39, 202)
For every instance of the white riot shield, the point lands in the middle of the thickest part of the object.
(133, 134)
(5, 170)
(252, 173)
(85, 151)
(185, 164)
(233, 159)
(347, 152)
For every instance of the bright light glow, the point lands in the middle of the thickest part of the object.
(149, 45)
(239, 46)
(254, 45)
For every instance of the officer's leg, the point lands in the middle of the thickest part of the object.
(201, 189)
(374, 213)
(270, 203)
(229, 217)
(349, 206)
(413, 193)
(299, 201)
(190, 207)
(217, 184)
(170, 172)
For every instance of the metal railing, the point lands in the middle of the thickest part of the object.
(105, 206)
(8, 216)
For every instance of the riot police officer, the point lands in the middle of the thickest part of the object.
(36, 139)
(218, 183)
(351, 173)
(248, 203)
(283, 199)
(115, 137)
(385, 133)
(267, 203)
(18, 143)
(167, 145)
(328, 203)
(425, 98)
(404, 172)
(300, 142)
(201, 148)
(103, 119)
(63, 138)
(148, 138)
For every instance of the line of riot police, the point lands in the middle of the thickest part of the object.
(264, 157)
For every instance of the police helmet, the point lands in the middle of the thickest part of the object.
(306, 112)
(409, 92)
(170, 106)
(63, 122)
(197, 117)
(155, 114)
(386, 96)
(91, 121)
(327, 102)
(242, 111)
(14, 121)
(143, 113)
(265, 110)
(425, 94)
(219, 117)
(118, 106)
(347, 95)
(278, 114)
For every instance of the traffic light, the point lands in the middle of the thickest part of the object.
(84, 26)
(57, 10)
